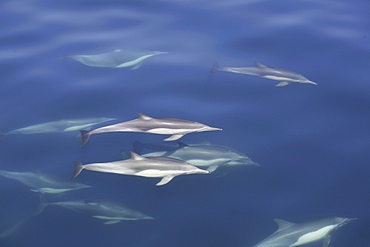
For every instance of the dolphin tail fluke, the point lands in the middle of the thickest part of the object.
(215, 67)
(85, 135)
(41, 206)
(78, 168)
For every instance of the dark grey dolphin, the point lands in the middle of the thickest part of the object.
(165, 126)
(290, 234)
(116, 59)
(43, 183)
(205, 155)
(60, 126)
(110, 211)
(285, 76)
(163, 167)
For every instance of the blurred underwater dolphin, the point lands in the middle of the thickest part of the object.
(43, 183)
(163, 167)
(291, 234)
(116, 59)
(285, 76)
(110, 211)
(205, 154)
(60, 126)
(165, 126)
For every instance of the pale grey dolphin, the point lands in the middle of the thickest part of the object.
(105, 210)
(205, 154)
(60, 126)
(155, 167)
(285, 76)
(166, 126)
(290, 234)
(116, 59)
(43, 183)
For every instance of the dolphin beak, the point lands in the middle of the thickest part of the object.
(213, 128)
(311, 82)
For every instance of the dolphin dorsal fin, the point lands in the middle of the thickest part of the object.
(283, 224)
(181, 144)
(135, 156)
(144, 117)
(260, 65)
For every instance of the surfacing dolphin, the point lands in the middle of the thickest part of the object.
(290, 234)
(105, 210)
(116, 59)
(43, 183)
(285, 76)
(60, 126)
(154, 167)
(205, 155)
(165, 126)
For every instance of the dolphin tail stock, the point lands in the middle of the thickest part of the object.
(78, 168)
(215, 67)
(85, 135)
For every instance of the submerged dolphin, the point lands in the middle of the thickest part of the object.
(116, 59)
(60, 126)
(290, 234)
(110, 211)
(166, 126)
(43, 183)
(162, 167)
(205, 154)
(285, 76)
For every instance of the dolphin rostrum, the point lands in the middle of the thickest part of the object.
(163, 167)
(166, 126)
(205, 154)
(60, 126)
(43, 183)
(290, 234)
(116, 59)
(105, 210)
(285, 76)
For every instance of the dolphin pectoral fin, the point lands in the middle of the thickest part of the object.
(326, 241)
(165, 180)
(282, 84)
(138, 65)
(174, 137)
(110, 222)
(212, 168)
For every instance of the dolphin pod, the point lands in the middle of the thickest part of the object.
(175, 127)
(283, 75)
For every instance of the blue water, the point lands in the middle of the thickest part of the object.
(312, 142)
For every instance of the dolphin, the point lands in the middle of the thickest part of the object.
(116, 59)
(105, 210)
(166, 126)
(60, 126)
(163, 167)
(205, 154)
(40, 182)
(290, 234)
(285, 76)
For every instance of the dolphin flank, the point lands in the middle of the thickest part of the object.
(175, 127)
(165, 168)
(290, 234)
(285, 76)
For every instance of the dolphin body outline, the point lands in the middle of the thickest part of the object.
(285, 76)
(295, 234)
(166, 168)
(175, 127)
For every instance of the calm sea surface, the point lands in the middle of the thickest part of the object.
(312, 142)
